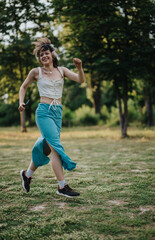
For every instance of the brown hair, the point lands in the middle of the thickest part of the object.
(44, 44)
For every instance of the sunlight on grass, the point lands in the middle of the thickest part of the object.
(81, 132)
(114, 177)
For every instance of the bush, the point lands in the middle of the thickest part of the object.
(114, 117)
(133, 111)
(86, 116)
(104, 114)
(9, 114)
(143, 115)
(134, 114)
(68, 117)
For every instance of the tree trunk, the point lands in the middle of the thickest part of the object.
(22, 114)
(96, 88)
(122, 114)
(125, 115)
(124, 76)
(149, 111)
(22, 122)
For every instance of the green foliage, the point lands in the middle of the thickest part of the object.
(114, 119)
(133, 111)
(9, 114)
(17, 14)
(74, 95)
(68, 117)
(86, 116)
(104, 114)
(108, 95)
(115, 41)
(20, 24)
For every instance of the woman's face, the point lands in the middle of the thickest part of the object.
(46, 57)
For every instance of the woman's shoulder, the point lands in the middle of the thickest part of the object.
(35, 73)
(64, 69)
(35, 70)
(61, 70)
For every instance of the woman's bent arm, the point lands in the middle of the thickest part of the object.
(77, 77)
(30, 78)
(81, 77)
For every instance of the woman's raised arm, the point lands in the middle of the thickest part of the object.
(77, 77)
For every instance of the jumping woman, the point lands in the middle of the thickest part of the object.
(50, 80)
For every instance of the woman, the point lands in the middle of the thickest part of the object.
(50, 79)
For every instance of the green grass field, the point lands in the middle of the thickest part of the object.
(114, 177)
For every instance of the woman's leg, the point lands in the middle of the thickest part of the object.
(31, 169)
(56, 164)
(63, 189)
(32, 166)
(26, 176)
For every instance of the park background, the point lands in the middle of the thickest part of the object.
(114, 39)
(108, 121)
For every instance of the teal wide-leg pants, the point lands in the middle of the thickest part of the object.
(49, 121)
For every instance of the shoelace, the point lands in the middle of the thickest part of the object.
(29, 180)
(56, 102)
(68, 188)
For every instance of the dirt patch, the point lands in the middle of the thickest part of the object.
(138, 170)
(145, 209)
(38, 208)
(81, 173)
(82, 209)
(61, 204)
(125, 184)
(118, 202)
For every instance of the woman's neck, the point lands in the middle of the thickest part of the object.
(49, 68)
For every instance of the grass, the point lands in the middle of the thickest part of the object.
(113, 175)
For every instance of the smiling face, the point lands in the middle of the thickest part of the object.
(45, 57)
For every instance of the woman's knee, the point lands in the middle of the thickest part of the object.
(46, 149)
(52, 150)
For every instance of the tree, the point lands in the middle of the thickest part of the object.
(84, 24)
(105, 34)
(146, 67)
(20, 23)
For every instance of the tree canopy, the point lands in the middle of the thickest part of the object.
(114, 39)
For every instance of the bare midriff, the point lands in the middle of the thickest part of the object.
(49, 100)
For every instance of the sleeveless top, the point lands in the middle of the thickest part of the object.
(50, 88)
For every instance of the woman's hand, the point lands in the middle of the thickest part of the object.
(21, 107)
(77, 62)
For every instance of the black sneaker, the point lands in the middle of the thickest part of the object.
(67, 191)
(25, 181)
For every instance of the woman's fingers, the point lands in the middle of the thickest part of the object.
(21, 107)
(77, 62)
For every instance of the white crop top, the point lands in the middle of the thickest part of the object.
(50, 88)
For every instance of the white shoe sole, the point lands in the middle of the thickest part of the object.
(22, 180)
(61, 194)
